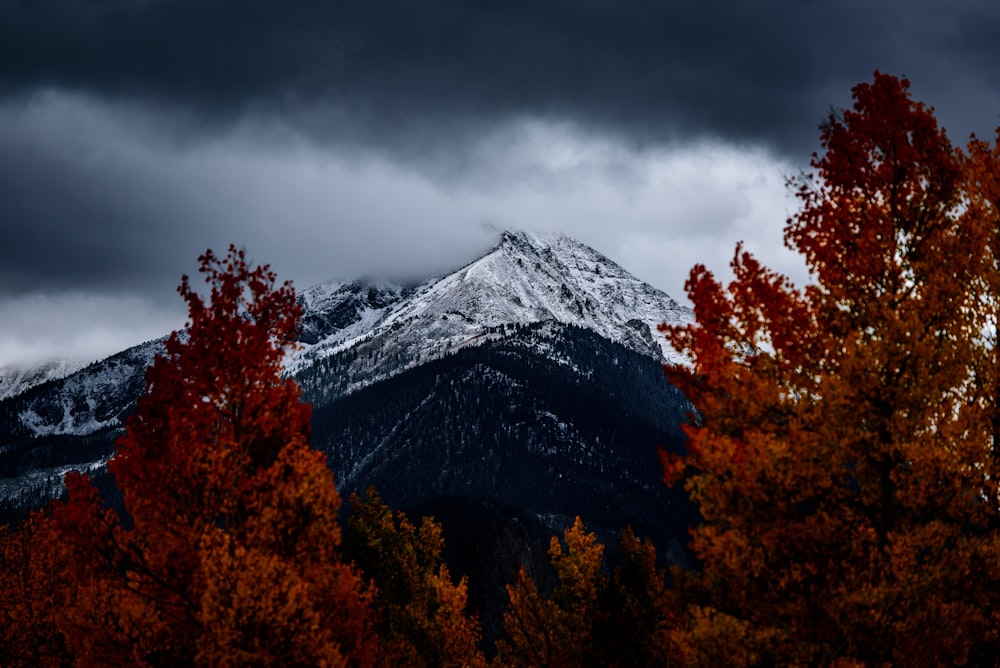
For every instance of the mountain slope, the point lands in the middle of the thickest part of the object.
(524, 279)
(16, 380)
(552, 418)
(507, 441)
(534, 301)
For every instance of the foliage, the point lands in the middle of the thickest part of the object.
(638, 615)
(228, 549)
(228, 553)
(33, 590)
(556, 631)
(422, 615)
(844, 453)
(591, 619)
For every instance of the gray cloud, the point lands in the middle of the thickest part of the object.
(405, 76)
(103, 201)
(117, 212)
(80, 326)
(334, 139)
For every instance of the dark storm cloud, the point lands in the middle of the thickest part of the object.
(404, 75)
(71, 220)
(99, 198)
(336, 138)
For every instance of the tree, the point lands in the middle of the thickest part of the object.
(228, 549)
(421, 613)
(844, 449)
(33, 590)
(591, 619)
(638, 614)
(556, 631)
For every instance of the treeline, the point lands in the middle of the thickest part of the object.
(406, 608)
(227, 548)
(843, 453)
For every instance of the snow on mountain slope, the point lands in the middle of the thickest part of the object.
(91, 399)
(14, 380)
(526, 278)
(339, 311)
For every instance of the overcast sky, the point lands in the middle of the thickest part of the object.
(335, 139)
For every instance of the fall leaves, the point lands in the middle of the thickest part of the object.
(229, 549)
(627, 619)
(844, 455)
(227, 552)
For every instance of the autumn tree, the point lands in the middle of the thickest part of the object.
(638, 614)
(34, 588)
(228, 550)
(844, 450)
(421, 613)
(555, 631)
(591, 619)
(983, 201)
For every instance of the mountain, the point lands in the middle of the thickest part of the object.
(15, 380)
(525, 278)
(504, 398)
(66, 423)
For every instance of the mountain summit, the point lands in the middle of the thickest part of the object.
(446, 371)
(526, 278)
(505, 398)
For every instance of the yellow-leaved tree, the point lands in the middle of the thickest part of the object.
(591, 619)
(422, 616)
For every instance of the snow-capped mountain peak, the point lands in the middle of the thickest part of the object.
(525, 278)
(387, 327)
(527, 293)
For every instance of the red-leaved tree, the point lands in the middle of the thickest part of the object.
(227, 553)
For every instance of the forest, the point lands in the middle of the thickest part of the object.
(842, 451)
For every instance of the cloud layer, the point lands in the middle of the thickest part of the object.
(334, 139)
(406, 75)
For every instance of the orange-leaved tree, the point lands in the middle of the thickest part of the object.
(845, 450)
(421, 614)
(227, 553)
(628, 619)
(556, 631)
